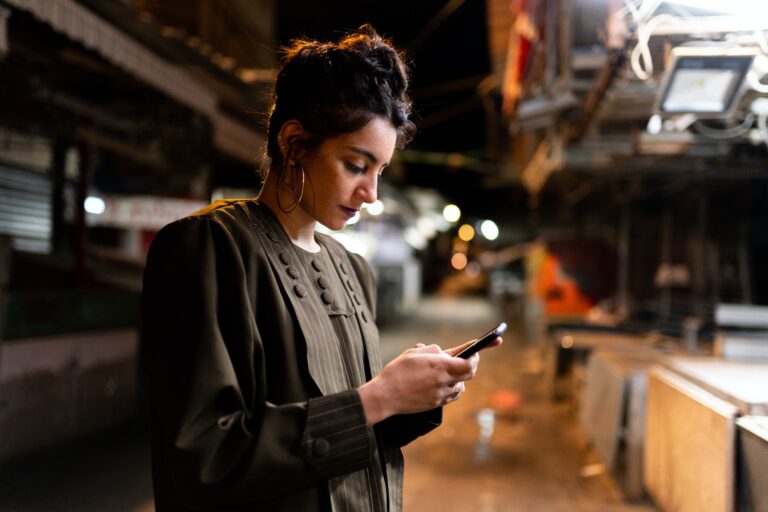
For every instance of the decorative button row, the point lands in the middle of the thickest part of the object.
(292, 271)
(350, 286)
(324, 284)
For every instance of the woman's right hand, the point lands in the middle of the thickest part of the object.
(419, 379)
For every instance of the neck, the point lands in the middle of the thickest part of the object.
(299, 226)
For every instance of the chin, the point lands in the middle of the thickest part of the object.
(337, 225)
(334, 224)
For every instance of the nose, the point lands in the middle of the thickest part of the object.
(367, 190)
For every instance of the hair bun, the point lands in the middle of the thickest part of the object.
(338, 87)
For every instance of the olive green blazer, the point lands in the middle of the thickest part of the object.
(247, 412)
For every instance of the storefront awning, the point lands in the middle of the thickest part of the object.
(82, 25)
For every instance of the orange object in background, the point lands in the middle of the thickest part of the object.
(553, 287)
(558, 291)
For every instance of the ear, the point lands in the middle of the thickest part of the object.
(291, 134)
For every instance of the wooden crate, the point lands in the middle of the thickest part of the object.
(744, 384)
(612, 412)
(689, 451)
(753, 455)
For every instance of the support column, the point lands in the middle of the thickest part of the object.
(85, 151)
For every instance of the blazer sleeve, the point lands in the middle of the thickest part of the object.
(222, 443)
(401, 429)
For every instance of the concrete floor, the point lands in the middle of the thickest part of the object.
(502, 447)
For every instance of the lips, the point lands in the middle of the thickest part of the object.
(349, 211)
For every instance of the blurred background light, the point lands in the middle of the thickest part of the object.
(489, 229)
(414, 238)
(473, 269)
(466, 232)
(375, 208)
(459, 261)
(426, 227)
(94, 205)
(355, 243)
(452, 213)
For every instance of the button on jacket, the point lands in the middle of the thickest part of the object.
(253, 349)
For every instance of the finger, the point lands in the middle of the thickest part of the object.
(421, 348)
(474, 359)
(456, 365)
(455, 350)
(495, 343)
(456, 391)
(430, 349)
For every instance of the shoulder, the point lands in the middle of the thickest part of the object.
(224, 222)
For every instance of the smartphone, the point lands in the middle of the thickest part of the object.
(483, 340)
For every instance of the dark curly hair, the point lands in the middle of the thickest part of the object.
(335, 88)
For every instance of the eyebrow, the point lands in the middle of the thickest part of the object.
(367, 154)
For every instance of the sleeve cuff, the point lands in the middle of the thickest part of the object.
(337, 439)
(402, 429)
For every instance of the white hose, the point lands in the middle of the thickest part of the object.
(726, 133)
(641, 59)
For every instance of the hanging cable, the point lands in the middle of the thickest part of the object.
(641, 59)
(762, 128)
(755, 83)
(726, 133)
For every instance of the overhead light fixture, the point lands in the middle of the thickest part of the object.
(705, 81)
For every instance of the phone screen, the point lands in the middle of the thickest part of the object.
(483, 340)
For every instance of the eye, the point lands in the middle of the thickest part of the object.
(355, 168)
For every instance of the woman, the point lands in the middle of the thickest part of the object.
(267, 391)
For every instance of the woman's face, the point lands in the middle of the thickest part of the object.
(343, 172)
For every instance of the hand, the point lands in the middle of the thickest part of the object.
(419, 379)
(474, 358)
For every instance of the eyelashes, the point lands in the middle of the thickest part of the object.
(355, 168)
(362, 170)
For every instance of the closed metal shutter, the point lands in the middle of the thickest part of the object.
(25, 209)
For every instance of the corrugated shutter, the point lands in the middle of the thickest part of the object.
(25, 209)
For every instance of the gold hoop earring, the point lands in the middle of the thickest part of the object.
(296, 202)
